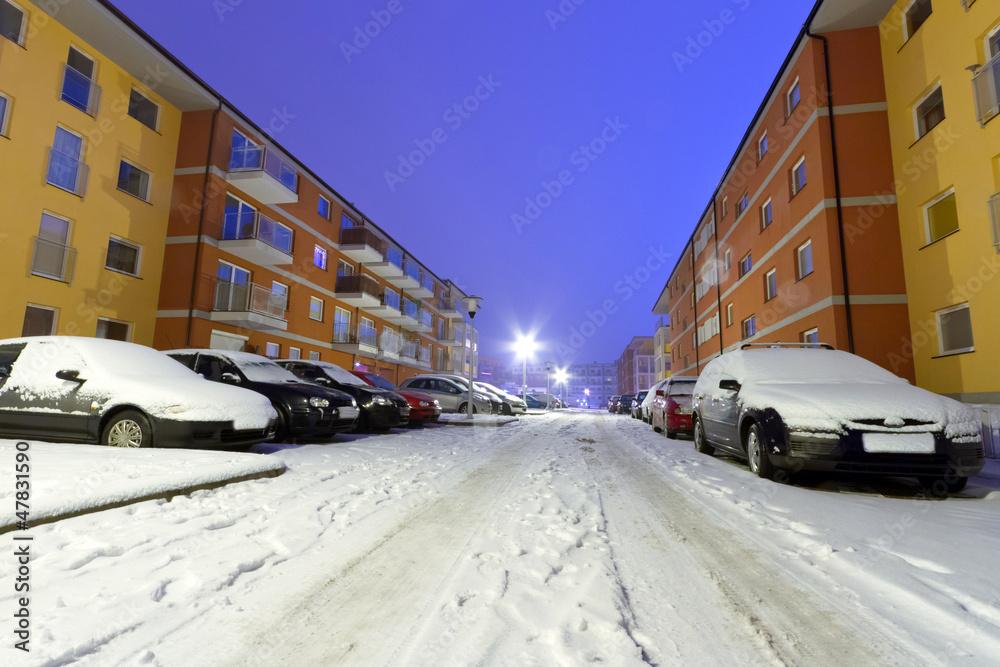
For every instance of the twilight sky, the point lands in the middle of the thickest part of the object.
(550, 156)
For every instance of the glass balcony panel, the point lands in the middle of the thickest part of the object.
(391, 299)
(395, 256)
(80, 91)
(986, 85)
(51, 259)
(67, 172)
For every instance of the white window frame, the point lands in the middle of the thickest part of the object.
(725, 206)
(268, 346)
(798, 259)
(771, 285)
(5, 118)
(796, 185)
(128, 336)
(729, 314)
(766, 214)
(138, 256)
(326, 257)
(805, 335)
(937, 319)
(745, 257)
(313, 300)
(149, 181)
(927, 218)
(906, 28)
(313, 355)
(762, 142)
(743, 204)
(727, 259)
(329, 207)
(55, 316)
(294, 352)
(24, 22)
(743, 327)
(789, 107)
(916, 113)
(159, 109)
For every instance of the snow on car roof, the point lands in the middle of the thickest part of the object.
(339, 374)
(783, 365)
(254, 366)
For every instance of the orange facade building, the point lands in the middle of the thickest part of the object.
(800, 240)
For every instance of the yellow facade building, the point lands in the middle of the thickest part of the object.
(90, 124)
(942, 79)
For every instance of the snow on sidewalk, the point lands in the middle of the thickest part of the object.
(69, 479)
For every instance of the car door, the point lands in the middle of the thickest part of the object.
(447, 393)
(723, 412)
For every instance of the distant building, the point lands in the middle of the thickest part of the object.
(591, 385)
(661, 349)
(492, 370)
(635, 366)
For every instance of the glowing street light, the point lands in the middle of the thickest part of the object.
(525, 347)
(562, 377)
(471, 306)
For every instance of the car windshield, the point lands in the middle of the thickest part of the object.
(380, 381)
(264, 370)
(681, 387)
(338, 374)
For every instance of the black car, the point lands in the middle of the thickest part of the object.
(787, 409)
(636, 407)
(91, 390)
(304, 409)
(625, 404)
(380, 409)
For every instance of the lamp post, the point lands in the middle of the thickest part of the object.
(471, 306)
(548, 369)
(525, 346)
(563, 378)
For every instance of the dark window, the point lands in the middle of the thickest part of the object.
(38, 321)
(112, 330)
(930, 112)
(11, 21)
(133, 180)
(143, 109)
(123, 257)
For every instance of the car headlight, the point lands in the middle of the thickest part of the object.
(480, 397)
(381, 400)
(318, 402)
(437, 404)
(425, 404)
(354, 403)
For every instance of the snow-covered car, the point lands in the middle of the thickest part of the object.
(304, 409)
(646, 407)
(424, 408)
(792, 409)
(613, 403)
(452, 396)
(636, 409)
(625, 404)
(91, 390)
(672, 406)
(512, 405)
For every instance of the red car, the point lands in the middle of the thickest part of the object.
(671, 411)
(423, 408)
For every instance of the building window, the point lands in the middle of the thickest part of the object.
(319, 257)
(323, 208)
(272, 350)
(39, 321)
(12, 22)
(770, 285)
(811, 336)
(123, 257)
(749, 327)
(746, 264)
(729, 314)
(743, 204)
(692, 299)
(798, 176)
(133, 180)
(725, 206)
(79, 89)
(941, 217)
(143, 109)
(766, 214)
(928, 112)
(279, 294)
(955, 330)
(66, 170)
(4, 114)
(727, 259)
(793, 97)
(294, 353)
(804, 256)
(113, 329)
(346, 222)
(914, 16)
(762, 147)
(313, 356)
(344, 269)
(316, 308)
(52, 256)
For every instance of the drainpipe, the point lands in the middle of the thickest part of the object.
(718, 273)
(694, 293)
(201, 225)
(836, 182)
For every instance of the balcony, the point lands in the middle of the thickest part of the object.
(408, 351)
(388, 346)
(450, 338)
(53, 260)
(257, 239)
(449, 309)
(263, 174)
(359, 339)
(995, 220)
(387, 308)
(986, 88)
(361, 244)
(425, 290)
(80, 91)
(424, 358)
(67, 172)
(425, 322)
(358, 291)
(410, 279)
(410, 318)
(251, 306)
(390, 265)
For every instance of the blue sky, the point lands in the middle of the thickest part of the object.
(549, 156)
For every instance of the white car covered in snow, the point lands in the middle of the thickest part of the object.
(796, 408)
(90, 390)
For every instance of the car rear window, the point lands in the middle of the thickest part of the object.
(680, 388)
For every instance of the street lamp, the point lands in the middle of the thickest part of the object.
(471, 304)
(525, 346)
(562, 377)
(548, 369)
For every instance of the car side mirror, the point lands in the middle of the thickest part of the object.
(659, 392)
(729, 385)
(70, 376)
(231, 378)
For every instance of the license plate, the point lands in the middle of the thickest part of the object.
(348, 413)
(898, 443)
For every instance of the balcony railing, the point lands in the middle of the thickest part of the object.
(389, 342)
(424, 355)
(259, 158)
(50, 259)
(410, 309)
(394, 256)
(986, 86)
(67, 172)
(427, 282)
(258, 226)
(357, 284)
(412, 269)
(390, 299)
(995, 219)
(248, 297)
(80, 91)
(451, 305)
(427, 318)
(409, 349)
(361, 334)
(360, 236)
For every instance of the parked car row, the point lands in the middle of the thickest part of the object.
(452, 392)
(68, 389)
(791, 408)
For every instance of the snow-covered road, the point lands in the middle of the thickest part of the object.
(557, 540)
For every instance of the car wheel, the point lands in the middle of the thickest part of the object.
(940, 487)
(463, 409)
(281, 426)
(671, 433)
(657, 429)
(360, 424)
(760, 464)
(700, 443)
(128, 429)
(506, 410)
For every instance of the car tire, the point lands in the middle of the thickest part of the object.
(671, 433)
(463, 409)
(657, 429)
(700, 443)
(757, 458)
(129, 428)
(360, 424)
(505, 410)
(280, 426)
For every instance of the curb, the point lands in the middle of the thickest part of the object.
(475, 423)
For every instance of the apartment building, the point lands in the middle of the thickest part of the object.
(942, 79)
(152, 210)
(800, 240)
(661, 349)
(592, 385)
(88, 138)
(635, 367)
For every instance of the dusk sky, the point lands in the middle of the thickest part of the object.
(557, 154)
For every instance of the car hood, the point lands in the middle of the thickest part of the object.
(283, 391)
(873, 406)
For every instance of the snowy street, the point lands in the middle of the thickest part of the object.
(560, 539)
